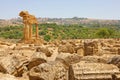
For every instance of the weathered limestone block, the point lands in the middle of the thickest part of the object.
(6, 45)
(12, 46)
(80, 52)
(93, 59)
(48, 71)
(26, 54)
(24, 76)
(24, 47)
(68, 59)
(93, 71)
(118, 51)
(12, 65)
(63, 42)
(107, 42)
(67, 48)
(45, 50)
(89, 51)
(115, 60)
(54, 51)
(7, 77)
(4, 52)
(107, 57)
(7, 64)
(3, 47)
(112, 49)
(116, 45)
(55, 43)
(91, 47)
(37, 59)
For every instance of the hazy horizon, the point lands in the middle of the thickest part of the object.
(102, 9)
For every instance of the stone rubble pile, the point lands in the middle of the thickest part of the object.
(83, 59)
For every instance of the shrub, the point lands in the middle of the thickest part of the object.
(105, 33)
(47, 37)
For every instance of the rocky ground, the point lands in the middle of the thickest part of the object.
(88, 59)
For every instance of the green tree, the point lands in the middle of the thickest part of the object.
(105, 32)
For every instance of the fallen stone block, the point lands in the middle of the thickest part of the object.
(44, 50)
(93, 71)
(12, 65)
(48, 71)
(37, 59)
(7, 77)
(68, 59)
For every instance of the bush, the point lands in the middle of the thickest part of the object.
(11, 32)
(42, 33)
(47, 37)
(105, 33)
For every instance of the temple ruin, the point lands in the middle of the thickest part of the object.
(28, 21)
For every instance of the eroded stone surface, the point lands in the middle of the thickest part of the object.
(48, 71)
(68, 59)
(12, 64)
(7, 77)
(93, 58)
(37, 59)
(92, 71)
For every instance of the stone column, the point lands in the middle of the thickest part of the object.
(26, 32)
(37, 34)
(30, 31)
(24, 29)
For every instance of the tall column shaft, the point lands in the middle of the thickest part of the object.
(24, 29)
(26, 33)
(37, 34)
(30, 31)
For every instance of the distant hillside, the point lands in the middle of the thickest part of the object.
(66, 21)
(10, 22)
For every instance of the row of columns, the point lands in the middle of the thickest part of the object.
(28, 32)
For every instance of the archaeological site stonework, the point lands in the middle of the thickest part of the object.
(77, 59)
(82, 59)
(28, 21)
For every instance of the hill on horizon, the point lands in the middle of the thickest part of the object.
(62, 21)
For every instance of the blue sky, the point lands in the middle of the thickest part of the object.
(100, 9)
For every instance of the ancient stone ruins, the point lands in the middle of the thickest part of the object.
(81, 59)
(88, 59)
(28, 21)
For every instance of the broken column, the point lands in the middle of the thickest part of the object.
(93, 71)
